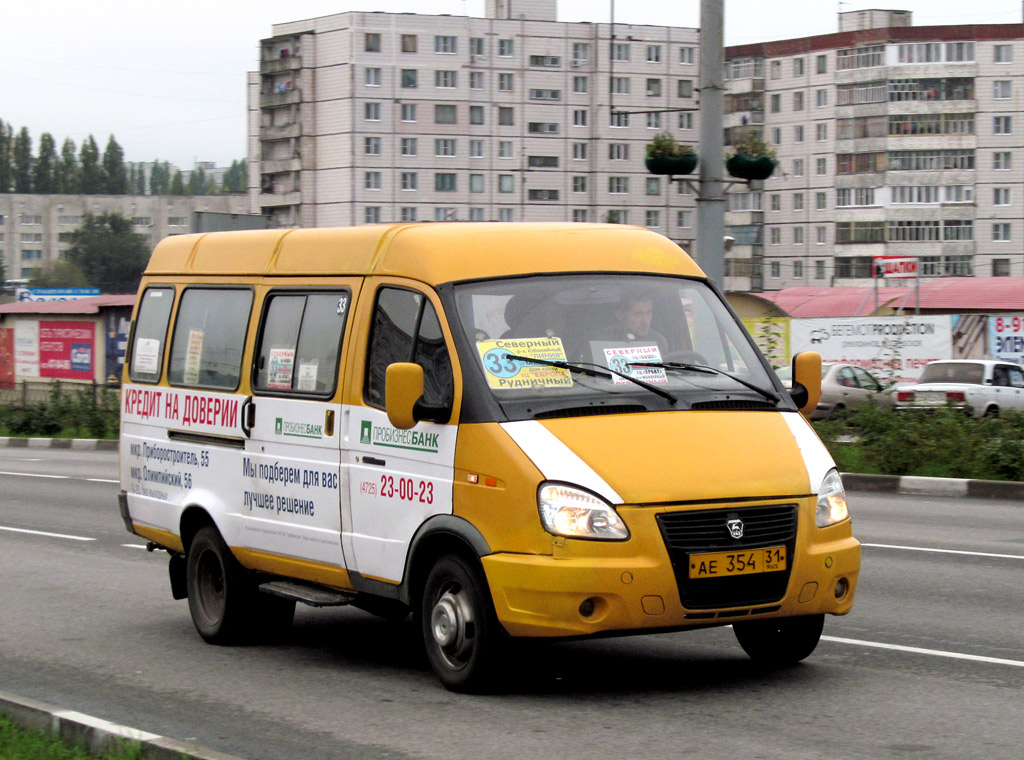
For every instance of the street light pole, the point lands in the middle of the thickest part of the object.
(711, 195)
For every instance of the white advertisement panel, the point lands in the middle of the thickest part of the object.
(1006, 338)
(26, 348)
(893, 348)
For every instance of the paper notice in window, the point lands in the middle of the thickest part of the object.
(146, 360)
(307, 377)
(618, 358)
(194, 356)
(280, 366)
(512, 374)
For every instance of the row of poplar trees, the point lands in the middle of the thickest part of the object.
(85, 171)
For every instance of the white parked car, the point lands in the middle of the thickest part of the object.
(980, 387)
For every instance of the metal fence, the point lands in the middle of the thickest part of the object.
(25, 394)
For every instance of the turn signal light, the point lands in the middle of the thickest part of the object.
(905, 396)
(956, 396)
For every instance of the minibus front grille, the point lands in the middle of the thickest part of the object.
(590, 411)
(706, 530)
(740, 405)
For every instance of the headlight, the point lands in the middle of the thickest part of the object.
(572, 512)
(832, 506)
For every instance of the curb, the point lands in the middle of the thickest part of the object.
(81, 444)
(913, 484)
(97, 734)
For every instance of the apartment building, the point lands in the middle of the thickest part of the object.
(892, 140)
(35, 230)
(380, 117)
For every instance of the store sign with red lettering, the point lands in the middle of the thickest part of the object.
(67, 350)
(895, 267)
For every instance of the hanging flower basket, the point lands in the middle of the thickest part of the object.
(684, 164)
(745, 167)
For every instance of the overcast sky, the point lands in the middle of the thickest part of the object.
(168, 79)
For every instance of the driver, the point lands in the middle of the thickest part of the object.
(633, 318)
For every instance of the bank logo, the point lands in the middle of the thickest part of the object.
(366, 432)
(277, 426)
(297, 429)
(393, 438)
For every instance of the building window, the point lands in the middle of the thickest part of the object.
(775, 268)
(798, 167)
(371, 111)
(546, 61)
(775, 202)
(775, 69)
(445, 182)
(542, 128)
(506, 116)
(820, 201)
(775, 103)
(579, 183)
(408, 43)
(579, 85)
(684, 219)
(654, 53)
(371, 42)
(579, 117)
(820, 236)
(864, 57)
(798, 269)
(408, 112)
(1001, 232)
(776, 136)
(619, 51)
(580, 215)
(821, 166)
(1001, 196)
(445, 44)
(798, 133)
(408, 146)
(618, 185)
(684, 88)
(476, 46)
(652, 218)
(580, 52)
(371, 181)
(798, 201)
(686, 120)
(476, 80)
(409, 79)
(542, 195)
(444, 147)
(371, 146)
(654, 121)
(1002, 54)
(506, 48)
(504, 149)
(506, 183)
(654, 185)
(408, 213)
(506, 215)
(959, 52)
(798, 101)
(444, 79)
(444, 114)
(1002, 160)
(542, 162)
(446, 214)
(1002, 125)
(410, 181)
(686, 56)
(1002, 89)
(543, 94)
(476, 183)
(373, 77)
(798, 67)
(821, 98)
(371, 215)
(618, 151)
(653, 88)
(1000, 267)
(798, 236)
(579, 151)
(476, 148)
(505, 82)
(618, 85)
(775, 235)
(617, 216)
(821, 132)
(618, 119)
(476, 214)
(819, 269)
(822, 63)
(476, 114)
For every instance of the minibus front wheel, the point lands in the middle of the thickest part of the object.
(459, 628)
(780, 641)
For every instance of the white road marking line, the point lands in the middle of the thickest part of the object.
(945, 551)
(58, 477)
(44, 533)
(919, 650)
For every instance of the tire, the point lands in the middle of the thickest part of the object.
(220, 597)
(458, 625)
(992, 411)
(781, 641)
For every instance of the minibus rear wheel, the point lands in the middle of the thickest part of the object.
(220, 597)
(780, 641)
(458, 625)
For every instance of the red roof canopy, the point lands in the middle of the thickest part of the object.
(89, 305)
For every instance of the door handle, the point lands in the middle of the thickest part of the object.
(248, 416)
(374, 460)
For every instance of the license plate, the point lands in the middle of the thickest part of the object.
(749, 562)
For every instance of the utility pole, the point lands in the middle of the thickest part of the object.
(711, 195)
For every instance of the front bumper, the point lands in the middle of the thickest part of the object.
(631, 586)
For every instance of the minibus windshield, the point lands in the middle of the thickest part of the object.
(541, 338)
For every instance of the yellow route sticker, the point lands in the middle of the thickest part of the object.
(509, 374)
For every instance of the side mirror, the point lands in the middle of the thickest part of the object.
(806, 381)
(403, 387)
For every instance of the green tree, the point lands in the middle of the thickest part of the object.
(68, 180)
(114, 173)
(91, 172)
(236, 178)
(110, 254)
(177, 185)
(59, 274)
(6, 170)
(21, 155)
(140, 179)
(196, 182)
(44, 173)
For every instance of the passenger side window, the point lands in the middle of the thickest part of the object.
(1000, 376)
(865, 380)
(1016, 378)
(209, 338)
(150, 335)
(845, 378)
(406, 329)
(300, 342)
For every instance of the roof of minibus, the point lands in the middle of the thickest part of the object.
(431, 253)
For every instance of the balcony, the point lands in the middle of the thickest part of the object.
(274, 99)
(280, 131)
(272, 200)
(277, 65)
(280, 165)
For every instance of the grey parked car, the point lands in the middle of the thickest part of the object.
(843, 386)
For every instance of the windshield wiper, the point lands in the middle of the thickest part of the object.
(706, 370)
(585, 368)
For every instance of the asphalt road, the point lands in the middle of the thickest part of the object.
(929, 664)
